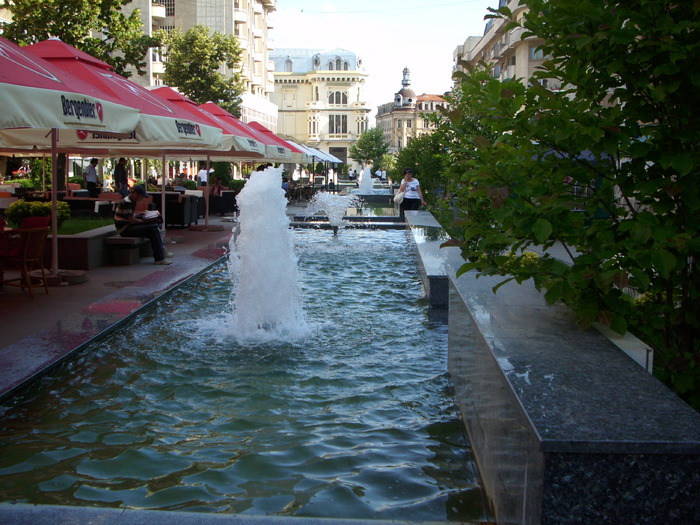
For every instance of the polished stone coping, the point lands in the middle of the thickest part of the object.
(564, 425)
(21, 514)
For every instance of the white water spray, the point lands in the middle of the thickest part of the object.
(366, 182)
(267, 298)
(334, 205)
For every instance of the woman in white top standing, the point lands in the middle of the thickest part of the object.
(413, 197)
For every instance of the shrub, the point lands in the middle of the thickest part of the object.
(21, 209)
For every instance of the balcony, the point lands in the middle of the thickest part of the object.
(240, 16)
(157, 11)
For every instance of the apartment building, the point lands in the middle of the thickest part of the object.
(406, 117)
(246, 19)
(504, 51)
(320, 97)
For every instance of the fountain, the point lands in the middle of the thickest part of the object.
(263, 265)
(259, 412)
(366, 182)
(335, 206)
(368, 193)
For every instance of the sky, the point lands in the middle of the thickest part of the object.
(388, 35)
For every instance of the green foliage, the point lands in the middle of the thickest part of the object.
(83, 224)
(78, 180)
(236, 184)
(21, 209)
(121, 43)
(424, 155)
(194, 60)
(605, 168)
(369, 147)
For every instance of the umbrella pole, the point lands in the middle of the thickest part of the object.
(54, 205)
(206, 227)
(206, 195)
(162, 193)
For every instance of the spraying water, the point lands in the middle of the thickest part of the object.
(267, 299)
(366, 181)
(335, 207)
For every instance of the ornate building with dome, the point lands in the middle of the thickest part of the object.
(320, 96)
(405, 118)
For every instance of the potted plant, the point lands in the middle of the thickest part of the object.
(19, 210)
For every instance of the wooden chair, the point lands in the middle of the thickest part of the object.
(23, 249)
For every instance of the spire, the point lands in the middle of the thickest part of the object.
(406, 78)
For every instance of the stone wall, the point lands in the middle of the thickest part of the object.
(565, 427)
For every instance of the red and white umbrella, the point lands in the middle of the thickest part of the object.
(38, 97)
(162, 126)
(39, 101)
(274, 151)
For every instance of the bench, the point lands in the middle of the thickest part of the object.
(124, 251)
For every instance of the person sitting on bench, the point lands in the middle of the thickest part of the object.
(132, 224)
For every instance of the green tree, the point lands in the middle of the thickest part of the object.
(98, 27)
(424, 156)
(607, 168)
(369, 147)
(194, 61)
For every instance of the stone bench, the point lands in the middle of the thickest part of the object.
(124, 251)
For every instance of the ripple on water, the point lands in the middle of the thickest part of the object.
(354, 419)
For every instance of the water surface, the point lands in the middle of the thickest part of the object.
(356, 420)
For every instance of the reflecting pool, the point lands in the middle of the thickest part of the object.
(355, 420)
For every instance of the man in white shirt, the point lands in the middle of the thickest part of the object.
(91, 178)
(202, 175)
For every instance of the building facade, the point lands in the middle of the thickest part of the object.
(320, 98)
(406, 117)
(504, 51)
(246, 19)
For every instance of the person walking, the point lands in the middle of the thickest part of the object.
(91, 178)
(121, 180)
(413, 196)
(131, 224)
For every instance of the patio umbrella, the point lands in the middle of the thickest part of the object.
(164, 128)
(37, 97)
(274, 151)
(161, 126)
(297, 154)
(39, 100)
(239, 145)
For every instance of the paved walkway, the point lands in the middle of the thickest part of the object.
(38, 331)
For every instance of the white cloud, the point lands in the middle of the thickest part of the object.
(412, 34)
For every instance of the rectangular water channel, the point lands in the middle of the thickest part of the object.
(356, 420)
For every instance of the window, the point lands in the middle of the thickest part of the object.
(330, 66)
(338, 64)
(169, 7)
(337, 124)
(398, 124)
(288, 65)
(535, 53)
(338, 98)
(408, 123)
